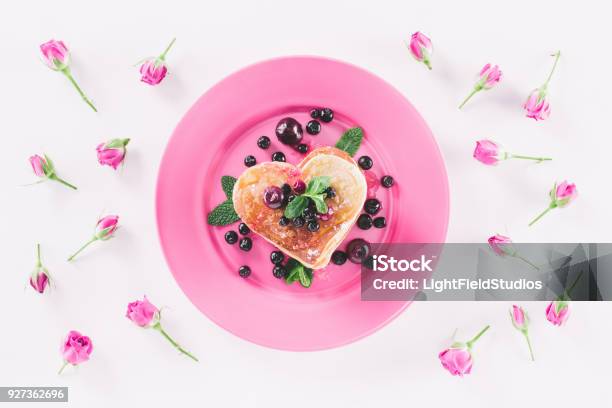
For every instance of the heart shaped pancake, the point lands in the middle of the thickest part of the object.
(312, 249)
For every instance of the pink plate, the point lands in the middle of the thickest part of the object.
(212, 140)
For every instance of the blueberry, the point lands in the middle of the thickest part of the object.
(289, 131)
(339, 257)
(302, 148)
(372, 206)
(277, 257)
(244, 271)
(298, 222)
(279, 271)
(315, 113)
(231, 237)
(278, 156)
(243, 228)
(380, 222)
(250, 161)
(286, 189)
(313, 127)
(284, 221)
(330, 192)
(327, 115)
(368, 262)
(365, 162)
(386, 181)
(358, 250)
(309, 213)
(245, 244)
(263, 142)
(290, 198)
(364, 221)
(313, 226)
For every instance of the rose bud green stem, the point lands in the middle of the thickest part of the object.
(44, 169)
(159, 328)
(146, 315)
(489, 77)
(57, 58)
(105, 229)
(560, 196)
(520, 321)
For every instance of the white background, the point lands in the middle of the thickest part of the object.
(395, 367)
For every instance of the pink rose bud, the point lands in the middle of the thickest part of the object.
(57, 57)
(560, 196)
(105, 229)
(457, 359)
(563, 194)
(536, 106)
(43, 168)
(421, 48)
(490, 153)
(144, 314)
(39, 278)
(520, 321)
(112, 153)
(503, 246)
(557, 312)
(519, 318)
(154, 70)
(76, 349)
(489, 77)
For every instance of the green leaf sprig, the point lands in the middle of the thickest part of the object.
(298, 272)
(315, 191)
(351, 140)
(224, 213)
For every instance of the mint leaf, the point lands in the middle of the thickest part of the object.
(293, 271)
(298, 272)
(315, 191)
(350, 140)
(223, 214)
(227, 184)
(317, 185)
(305, 276)
(292, 277)
(295, 207)
(319, 201)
